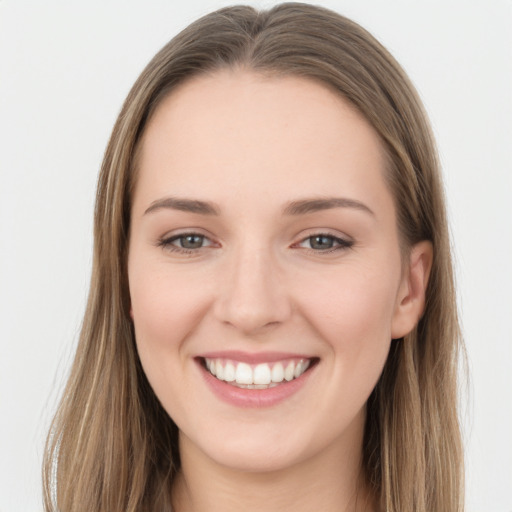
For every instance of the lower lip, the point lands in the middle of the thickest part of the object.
(241, 397)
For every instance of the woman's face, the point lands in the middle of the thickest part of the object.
(264, 250)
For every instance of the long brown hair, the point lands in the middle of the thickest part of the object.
(112, 447)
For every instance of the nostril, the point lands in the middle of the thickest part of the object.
(251, 297)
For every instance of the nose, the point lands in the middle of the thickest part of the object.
(253, 296)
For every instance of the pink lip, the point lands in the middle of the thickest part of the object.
(253, 358)
(253, 398)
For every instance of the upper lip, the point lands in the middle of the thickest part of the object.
(253, 357)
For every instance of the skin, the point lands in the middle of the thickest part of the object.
(251, 146)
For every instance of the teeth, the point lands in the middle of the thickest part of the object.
(277, 373)
(219, 370)
(260, 376)
(289, 371)
(229, 372)
(301, 368)
(243, 374)
(257, 386)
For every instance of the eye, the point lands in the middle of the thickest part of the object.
(323, 242)
(185, 242)
(191, 241)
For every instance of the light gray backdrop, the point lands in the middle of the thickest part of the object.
(65, 68)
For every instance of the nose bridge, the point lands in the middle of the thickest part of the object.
(253, 295)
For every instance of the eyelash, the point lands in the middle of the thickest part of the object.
(339, 244)
(167, 243)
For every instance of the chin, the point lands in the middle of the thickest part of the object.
(252, 452)
(256, 460)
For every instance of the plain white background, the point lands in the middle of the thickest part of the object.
(65, 69)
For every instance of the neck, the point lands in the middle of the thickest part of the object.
(330, 481)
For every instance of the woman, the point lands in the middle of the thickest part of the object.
(271, 321)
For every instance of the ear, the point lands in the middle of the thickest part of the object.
(410, 301)
(131, 312)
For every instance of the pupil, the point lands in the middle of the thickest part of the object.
(192, 241)
(321, 242)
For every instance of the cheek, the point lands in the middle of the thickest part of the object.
(162, 299)
(352, 312)
(166, 310)
(355, 299)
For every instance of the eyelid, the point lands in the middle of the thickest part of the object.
(166, 241)
(342, 242)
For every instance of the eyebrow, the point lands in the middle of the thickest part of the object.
(300, 207)
(305, 206)
(184, 205)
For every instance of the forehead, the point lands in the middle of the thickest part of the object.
(241, 131)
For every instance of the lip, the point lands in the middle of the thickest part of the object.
(253, 358)
(254, 398)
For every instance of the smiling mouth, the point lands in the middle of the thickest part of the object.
(257, 376)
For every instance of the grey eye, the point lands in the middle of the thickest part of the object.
(190, 241)
(321, 242)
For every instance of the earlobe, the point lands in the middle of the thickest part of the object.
(411, 295)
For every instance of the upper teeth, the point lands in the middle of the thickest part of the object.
(263, 374)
